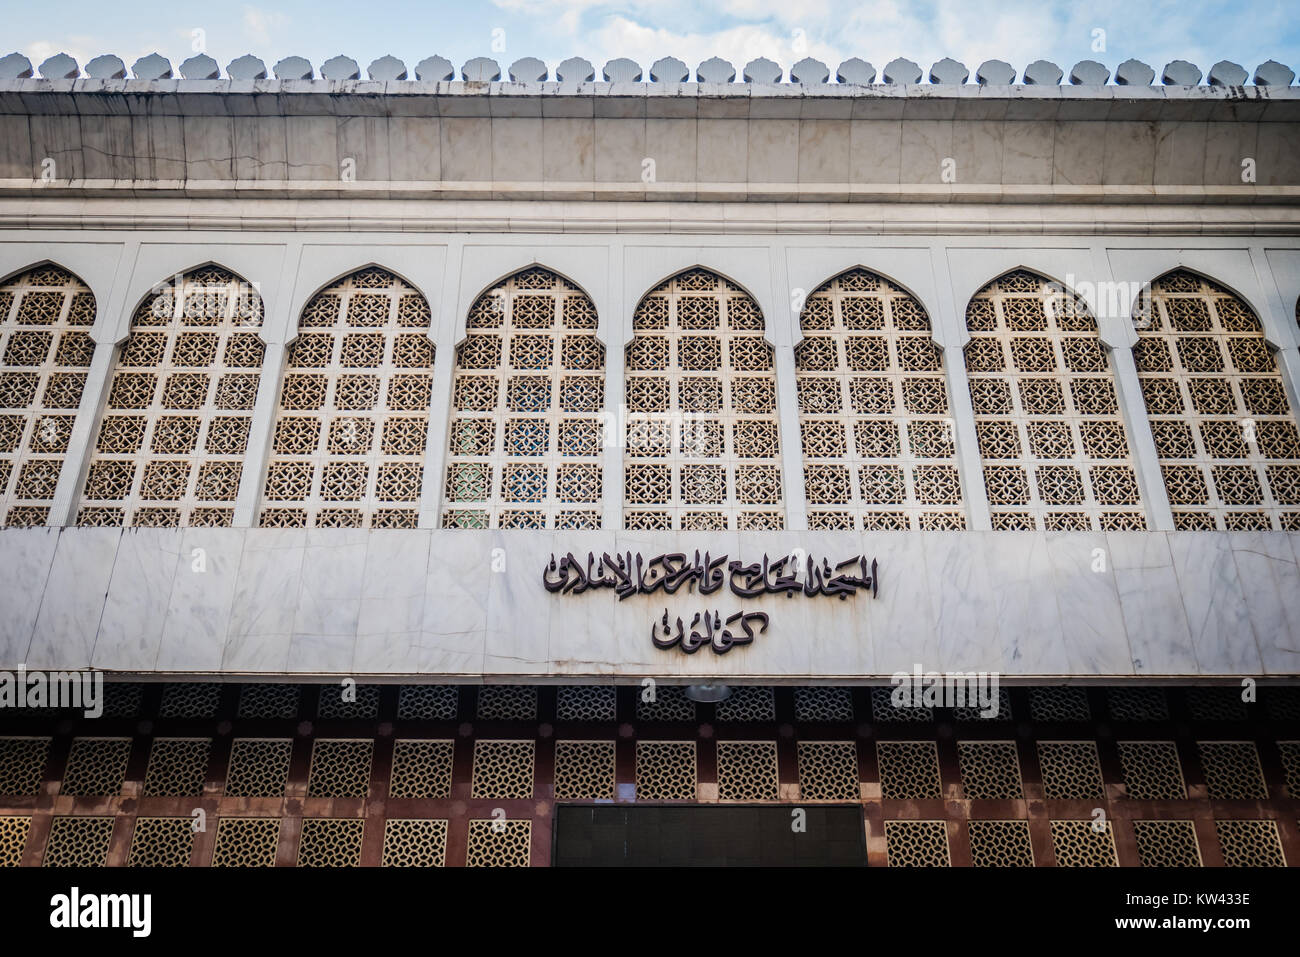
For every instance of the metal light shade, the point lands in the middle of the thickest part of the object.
(708, 694)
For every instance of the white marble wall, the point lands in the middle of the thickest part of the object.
(471, 605)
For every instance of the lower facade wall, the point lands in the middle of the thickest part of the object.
(293, 775)
(379, 605)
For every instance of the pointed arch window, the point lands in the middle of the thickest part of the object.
(1051, 436)
(170, 446)
(353, 417)
(1219, 413)
(878, 445)
(525, 445)
(702, 442)
(45, 351)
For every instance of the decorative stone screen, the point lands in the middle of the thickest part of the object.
(584, 770)
(909, 770)
(990, 770)
(703, 451)
(246, 842)
(878, 449)
(1083, 844)
(1232, 770)
(525, 438)
(177, 767)
(340, 768)
(1000, 844)
(353, 419)
(45, 350)
(585, 703)
(1219, 414)
(1071, 770)
(259, 767)
(1167, 843)
(1152, 771)
(917, 844)
(1051, 438)
(78, 841)
(13, 837)
(498, 843)
(421, 769)
(828, 771)
(1250, 843)
(747, 771)
(503, 769)
(22, 761)
(330, 842)
(161, 842)
(666, 770)
(415, 843)
(171, 442)
(397, 788)
(96, 767)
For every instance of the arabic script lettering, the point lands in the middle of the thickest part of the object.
(707, 628)
(631, 574)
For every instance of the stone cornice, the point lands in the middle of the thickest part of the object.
(906, 215)
(117, 97)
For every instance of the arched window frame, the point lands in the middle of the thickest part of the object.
(1053, 445)
(46, 315)
(876, 429)
(693, 461)
(525, 437)
(351, 422)
(169, 447)
(1223, 426)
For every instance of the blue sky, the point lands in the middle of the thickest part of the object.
(1019, 31)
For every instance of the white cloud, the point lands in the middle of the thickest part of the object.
(972, 31)
(259, 23)
(619, 36)
(80, 47)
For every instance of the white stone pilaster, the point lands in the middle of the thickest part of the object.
(1279, 327)
(1117, 333)
(444, 336)
(252, 478)
(787, 407)
(1288, 365)
(969, 462)
(783, 332)
(949, 330)
(614, 330)
(279, 327)
(1142, 444)
(110, 329)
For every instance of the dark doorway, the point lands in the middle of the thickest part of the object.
(710, 836)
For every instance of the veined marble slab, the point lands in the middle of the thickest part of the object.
(471, 606)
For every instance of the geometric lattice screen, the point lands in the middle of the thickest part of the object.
(1051, 436)
(703, 450)
(45, 350)
(171, 441)
(525, 438)
(353, 417)
(1222, 424)
(399, 795)
(873, 411)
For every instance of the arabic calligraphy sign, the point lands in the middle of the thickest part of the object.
(707, 629)
(631, 574)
